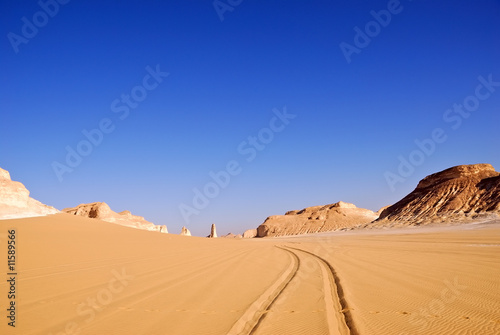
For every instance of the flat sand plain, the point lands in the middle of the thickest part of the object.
(85, 276)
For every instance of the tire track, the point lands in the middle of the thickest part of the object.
(342, 313)
(250, 320)
(338, 318)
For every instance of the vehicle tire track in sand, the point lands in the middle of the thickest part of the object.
(249, 321)
(334, 296)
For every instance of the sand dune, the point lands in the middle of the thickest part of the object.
(85, 276)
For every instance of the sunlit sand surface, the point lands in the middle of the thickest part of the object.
(85, 276)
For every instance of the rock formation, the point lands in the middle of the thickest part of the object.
(213, 231)
(316, 219)
(101, 211)
(15, 201)
(381, 210)
(459, 193)
(185, 231)
(231, 235)
(250, 233)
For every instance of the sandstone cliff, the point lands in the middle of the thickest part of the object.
(101, 211)
(456, 194)
(316, 219)
(15, 201)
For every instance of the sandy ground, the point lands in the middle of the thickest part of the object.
(84, 276)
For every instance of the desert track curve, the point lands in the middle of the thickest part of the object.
(342, 309)
(250, 320)
(338, 317)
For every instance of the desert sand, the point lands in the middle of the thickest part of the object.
(85, 276)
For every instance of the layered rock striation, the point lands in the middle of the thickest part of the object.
(458, 193)
(340, 215)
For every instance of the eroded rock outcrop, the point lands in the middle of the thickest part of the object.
(340, 215)
(213, 231)
(185, 232)
(15, 201)
(250, 233)
(455, 194)
(101, 211)
(381, 210)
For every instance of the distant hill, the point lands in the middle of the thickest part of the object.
(456, 194)
(340, 215)
(101, 210)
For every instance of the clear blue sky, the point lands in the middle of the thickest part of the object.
(353, 120)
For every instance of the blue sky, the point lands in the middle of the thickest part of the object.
(353, 121)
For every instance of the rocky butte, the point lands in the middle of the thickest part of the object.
(317, 219)
(101, 211)
(15, 201)
(458, 194)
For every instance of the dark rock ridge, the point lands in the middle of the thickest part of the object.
(454, 194)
